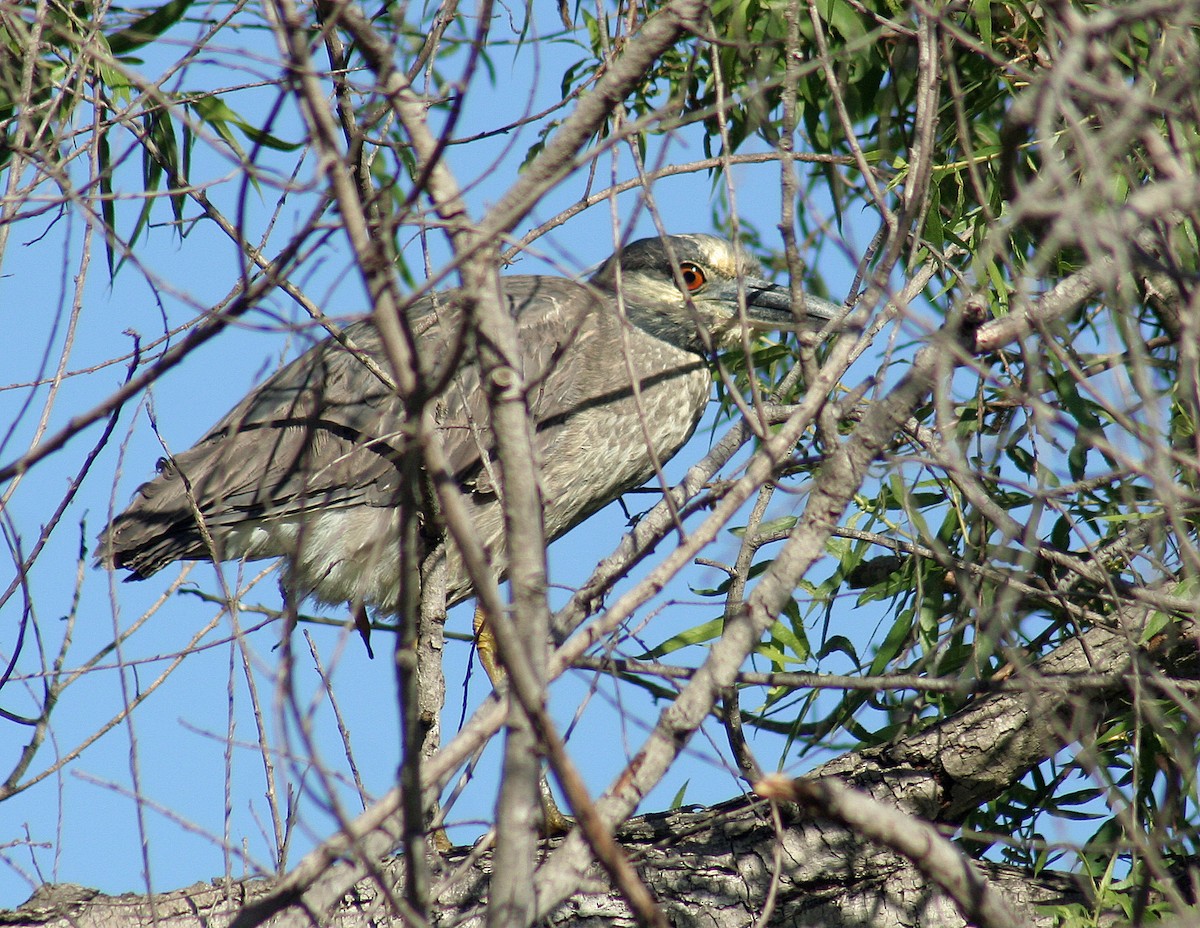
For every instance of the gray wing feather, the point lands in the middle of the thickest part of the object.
(325, 432)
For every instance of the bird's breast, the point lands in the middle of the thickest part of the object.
(634, 416)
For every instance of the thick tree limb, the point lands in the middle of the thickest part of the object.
(708, 868)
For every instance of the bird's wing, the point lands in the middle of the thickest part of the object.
(325, 432)
(556, 318)
(315, 433)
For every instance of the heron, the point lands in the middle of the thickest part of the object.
(617, 376)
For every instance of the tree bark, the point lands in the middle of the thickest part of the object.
(712, 867)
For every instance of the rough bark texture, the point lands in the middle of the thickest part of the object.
(712, 867)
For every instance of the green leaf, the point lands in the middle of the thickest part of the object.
(108, 210)
(705, 632)
(983, 19)
(148, 27)
(1077, 459)
(770, 527)
(216, 113)
(898, 637)
(836, 643)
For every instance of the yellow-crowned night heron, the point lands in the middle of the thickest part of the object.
(305, 466)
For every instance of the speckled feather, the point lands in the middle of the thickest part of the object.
(305, 467)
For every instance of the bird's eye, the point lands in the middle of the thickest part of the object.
(693, 276)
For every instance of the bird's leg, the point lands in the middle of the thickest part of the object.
(485, 644)
(554, 821)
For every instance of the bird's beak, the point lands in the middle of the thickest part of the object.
(769, 306)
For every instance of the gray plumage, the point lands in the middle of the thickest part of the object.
(305, 467)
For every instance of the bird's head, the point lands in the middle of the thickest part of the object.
(701, 279)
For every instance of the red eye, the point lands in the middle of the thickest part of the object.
(693, 276)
